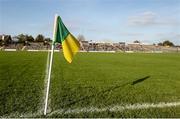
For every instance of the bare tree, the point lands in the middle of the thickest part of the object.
(81, 38)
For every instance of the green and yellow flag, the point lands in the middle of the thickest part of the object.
(70, 44)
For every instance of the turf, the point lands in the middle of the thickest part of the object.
(21, 82)
(93, 79)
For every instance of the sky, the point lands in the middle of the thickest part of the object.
(149, 21)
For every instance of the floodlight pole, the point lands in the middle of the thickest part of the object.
(50, 65)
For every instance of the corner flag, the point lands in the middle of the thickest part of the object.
(69, 43)
(70, 47)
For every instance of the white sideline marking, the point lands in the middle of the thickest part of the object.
(45, 80)
(9, 49)
(117, 108)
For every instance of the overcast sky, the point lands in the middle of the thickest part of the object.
(149, 21)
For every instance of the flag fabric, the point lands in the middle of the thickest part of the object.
(70, 44)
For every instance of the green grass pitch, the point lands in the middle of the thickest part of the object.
(92, 80)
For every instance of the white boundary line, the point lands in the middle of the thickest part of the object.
(113, 108)
(45, 79)
(116, 108)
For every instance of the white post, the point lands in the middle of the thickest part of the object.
(50, 66)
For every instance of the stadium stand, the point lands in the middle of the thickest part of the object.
(86, 46)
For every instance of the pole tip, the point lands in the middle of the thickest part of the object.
(56, 15)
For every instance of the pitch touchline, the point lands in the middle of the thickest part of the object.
(45, 79)
(115, 108)
(118, 108)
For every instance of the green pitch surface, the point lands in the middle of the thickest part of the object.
(21, 82)
(93, 80)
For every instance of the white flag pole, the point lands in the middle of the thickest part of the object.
(50, 65)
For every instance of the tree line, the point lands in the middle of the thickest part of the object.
(23, 38)
(164, 43)
(39, 38)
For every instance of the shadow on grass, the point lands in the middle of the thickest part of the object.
(140, 80)
(107, 90)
